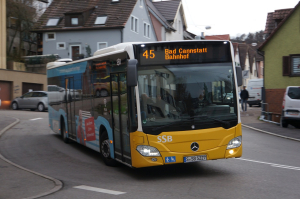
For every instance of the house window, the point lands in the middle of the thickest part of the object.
(52, 22)
(101, 45)
(146, 30)
(295, 65)
(61, 45)
(100, 20)
(50, 36)
(74, 21)
(134, 24)
(291, 65)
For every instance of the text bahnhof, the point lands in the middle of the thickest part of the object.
(183, 53)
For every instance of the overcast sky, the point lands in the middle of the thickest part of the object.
(231, 16)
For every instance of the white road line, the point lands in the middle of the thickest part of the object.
(271, 164)
(99, 190)
(36, 119)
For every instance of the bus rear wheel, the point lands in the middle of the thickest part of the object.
(105, 150)
(64, 134)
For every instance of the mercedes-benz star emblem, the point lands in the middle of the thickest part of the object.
(195, 146)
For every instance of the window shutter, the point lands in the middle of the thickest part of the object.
(286, 69)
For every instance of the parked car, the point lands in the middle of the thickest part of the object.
(56, 94)
(254, 88)
(32, 100)
(291, 107)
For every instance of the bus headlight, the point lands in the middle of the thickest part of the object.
(235, 142)
(147, 150)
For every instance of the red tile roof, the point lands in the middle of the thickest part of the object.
(274, 18)
(218, 37)
(279, 26)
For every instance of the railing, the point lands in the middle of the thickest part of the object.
(267, 114)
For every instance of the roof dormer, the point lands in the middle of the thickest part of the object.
(75, 18)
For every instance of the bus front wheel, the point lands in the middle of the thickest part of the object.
(105, 150)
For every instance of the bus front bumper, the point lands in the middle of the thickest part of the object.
(139, 161)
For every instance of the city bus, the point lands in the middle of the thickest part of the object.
(162, 103)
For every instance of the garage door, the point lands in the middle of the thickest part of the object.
(26, 87)
(5, 94)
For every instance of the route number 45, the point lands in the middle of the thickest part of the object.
(164, 138)
(149, 54)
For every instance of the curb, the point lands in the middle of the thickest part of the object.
(298, 140)
(57, 183)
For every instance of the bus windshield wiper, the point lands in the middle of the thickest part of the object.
(207, 117)
(166, 125)
(226, 124)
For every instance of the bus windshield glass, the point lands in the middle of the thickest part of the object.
(201, 95)
(186, 86)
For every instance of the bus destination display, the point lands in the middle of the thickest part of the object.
(183, 53)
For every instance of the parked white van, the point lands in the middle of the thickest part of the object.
(254, 89)
(291, 107)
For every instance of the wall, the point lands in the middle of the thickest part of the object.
(3, 34)
(260, 66)
(82, 38)
(285, 42)
(247, 67)
(157, 28)
(141, 13)
(178, 35)
(274, 99)
(18, 77)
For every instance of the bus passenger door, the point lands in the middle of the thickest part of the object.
(118, 90)
(70, 107)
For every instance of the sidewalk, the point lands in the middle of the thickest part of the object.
(18, 182)
(251, 118)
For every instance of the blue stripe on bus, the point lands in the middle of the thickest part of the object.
(77, 68)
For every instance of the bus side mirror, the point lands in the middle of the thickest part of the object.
(132, 73)
(239, 76)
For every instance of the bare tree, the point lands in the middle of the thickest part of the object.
(257, 37)
(20, 17)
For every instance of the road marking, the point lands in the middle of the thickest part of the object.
(250, 127)
(36, 119)
(99, 190)
(271, 164)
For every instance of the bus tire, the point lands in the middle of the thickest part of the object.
(63, 133)
(105, 150)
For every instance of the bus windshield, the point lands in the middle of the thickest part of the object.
(195, 95)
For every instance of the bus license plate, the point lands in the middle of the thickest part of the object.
(194, 158)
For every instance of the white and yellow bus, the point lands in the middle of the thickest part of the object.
(167, 103)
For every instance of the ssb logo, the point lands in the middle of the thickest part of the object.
(164, 139)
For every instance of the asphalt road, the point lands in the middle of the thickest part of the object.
(269, 168)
